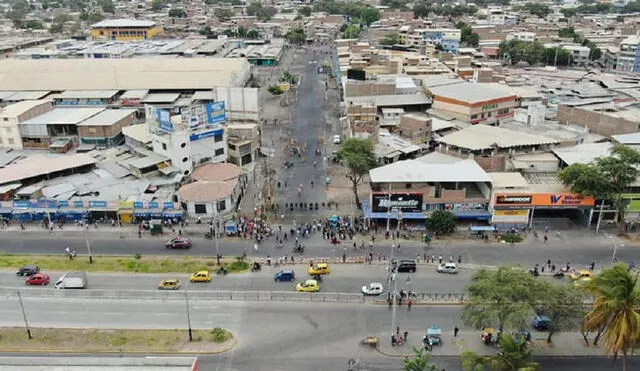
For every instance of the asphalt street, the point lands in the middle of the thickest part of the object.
(343, 278)
(579, 248)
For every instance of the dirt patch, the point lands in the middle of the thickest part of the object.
(89, 341)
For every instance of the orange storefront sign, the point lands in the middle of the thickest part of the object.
(545, 200)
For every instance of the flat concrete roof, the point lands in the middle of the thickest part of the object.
(86, 94)
(39, 165)
(107, 117)
(412, 171)
(64, 116)
(123, 23)
(471, 93)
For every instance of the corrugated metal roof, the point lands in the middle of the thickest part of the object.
(471, 93)
(161, 98)
(64, 116)
(583, 153)
(107, 117)
(412, 171)
(479, 137)
(86, 94)
(117, 23)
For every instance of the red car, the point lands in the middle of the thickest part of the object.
(178, 243)
(38, 279)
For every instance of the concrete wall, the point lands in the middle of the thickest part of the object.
(596, 122)
(358, 90)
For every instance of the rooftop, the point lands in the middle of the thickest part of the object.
(86, 94)
(631, 138)
(107, 117)
(206, 191)
(412, 171)
(583, 153)
(120, 74)
(391, 100)
(138, 132)
(19, 108)
(64, 116)
(217, 172)
(38, 165)
(508, 180)
(116, 23)
(470, 93)
(479, 137)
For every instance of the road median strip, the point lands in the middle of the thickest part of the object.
(123, 263)
(61, 340)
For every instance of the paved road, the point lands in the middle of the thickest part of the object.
(343, 278)
(579, 248)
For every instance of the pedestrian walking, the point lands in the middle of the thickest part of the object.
(440, 259)
(409, 302)
(546, 238)
(455, 331)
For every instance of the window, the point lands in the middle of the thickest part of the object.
(8, 130)
(488, 114)
(503, 111)
(10, 141)
(222, 205)
(407, 186)
(164, 146)
(217, 138)
(200, 208)
(185, 159)
(219, 152)
(182, 145)
(474, 117)
(5, 119)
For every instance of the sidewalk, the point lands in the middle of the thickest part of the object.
(564, 344)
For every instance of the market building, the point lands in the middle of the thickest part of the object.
(13, 115)
(125, 30)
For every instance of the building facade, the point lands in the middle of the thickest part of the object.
(474, 103)
(125, 30)
(12, 115)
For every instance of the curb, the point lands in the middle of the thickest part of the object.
(424, 304)
(232, 344)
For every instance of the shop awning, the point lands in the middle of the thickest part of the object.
(153, 213)
(5, 210)
(173, 214)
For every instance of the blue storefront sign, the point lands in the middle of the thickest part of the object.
(97, 203)
(153, 205)
(168, 205)
(163, 116)
(78, 203)
(43, 204)
(63, 203)
(21, 204)
(206, 134)
(216, 113)
(138, 205)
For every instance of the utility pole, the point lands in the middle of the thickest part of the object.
(86, 240)
(24, 315)
(186, 300)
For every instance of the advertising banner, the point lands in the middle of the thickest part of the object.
(206, 134)
(511, 216)
(545, 200)
(163, 116)
(405, 202)
(216, 113)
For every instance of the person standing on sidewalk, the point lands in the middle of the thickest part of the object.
(409, 302)
(455, 331)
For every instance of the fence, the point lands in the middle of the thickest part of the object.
(328, 297)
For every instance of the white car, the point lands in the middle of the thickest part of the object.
(448, 268)
(373, 288)
(337, 139)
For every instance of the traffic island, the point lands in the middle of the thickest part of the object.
(54, 340)
(130, 263)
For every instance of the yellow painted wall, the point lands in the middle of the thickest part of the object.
(106, 33)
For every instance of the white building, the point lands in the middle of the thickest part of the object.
(12, 115)
(523, 36)
(188, 136)
(626, 58)
(579, 54)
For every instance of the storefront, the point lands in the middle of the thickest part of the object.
(394, 206)
(520, 209)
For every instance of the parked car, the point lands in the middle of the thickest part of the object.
(320, 268)
(38, 279)
(337, 139)
(541, 323)
(287, 275)
(451, 268)
(201, 276)
(374, 288)
(308, 286)
(28, 270)
(178, 243)
(171, 284)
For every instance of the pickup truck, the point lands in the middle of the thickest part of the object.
(72, 280)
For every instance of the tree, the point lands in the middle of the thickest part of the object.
(107, 6)
(222, 14)
(275, 90)
(352, 32)
(177, 13)
(19, 10)
(539, 10)
(607, 178)
(33, 24)
(421, 10)
(557, 55)
(390, 39)
(305, 11)
(441, 222)
(514, 355)
(516, 51)
(253, 34)
(421, 361)
(616, 308)
(358, 156)
(369, 15)
(568, 32)
(394, 4)
(261, 12)
(562, 304)
(296, 36)
(467, 36)
(158, 5)
(501, 298)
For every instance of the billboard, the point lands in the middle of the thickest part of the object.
(163, 116)
(547, 200)
(206, 134)
(405, 202)
(216, 113)
(511, 216)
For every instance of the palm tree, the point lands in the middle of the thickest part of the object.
(616, 308)
(515, 355)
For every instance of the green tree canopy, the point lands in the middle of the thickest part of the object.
(441, 222)
(305, 11)
(514, 355)
(467, 36)
(503, 298)
(177, 13)
(567, 32)
(253, 34)
(296, 36)
(358, 156)
(223, 14)
(263, 13)
(107, 6)
(516, 51)
(352, 31)
(608, 177)
(616, 308)
(540, 10)
(390, 39)
(558, 56)
(158, 5)
(421, 361)
(563, 304)
(369, 15)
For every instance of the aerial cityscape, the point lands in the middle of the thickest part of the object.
(369, 185)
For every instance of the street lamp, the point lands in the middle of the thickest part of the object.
(86, 239)
(615, 248)
(24, 315)
(186, 301)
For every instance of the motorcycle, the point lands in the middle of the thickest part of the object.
(208, 236)
(221, 272)
(317, 277)
(256, 267)
(299, 249)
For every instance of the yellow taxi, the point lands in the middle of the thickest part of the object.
(582, 281)
(308, 286)
(579, 275)
(169, 285)
(201, 276)
(320, 268)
